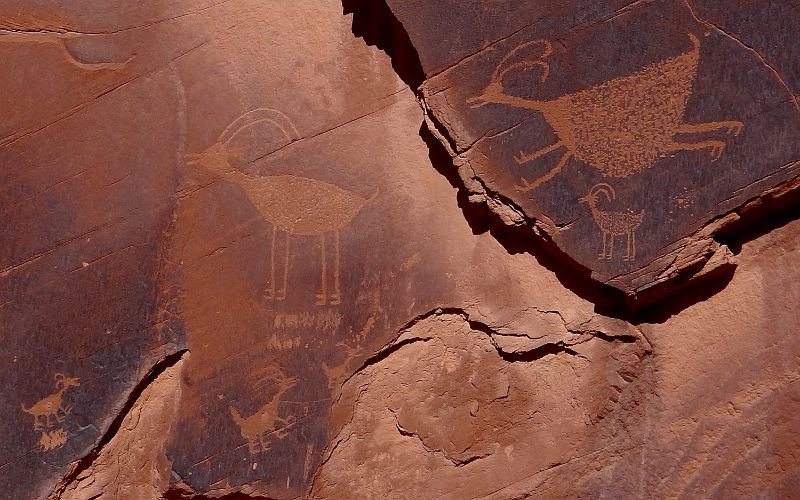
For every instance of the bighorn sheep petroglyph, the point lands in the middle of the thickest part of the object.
(621, 126)
(294, 205)
(50, 411)
(613, 224)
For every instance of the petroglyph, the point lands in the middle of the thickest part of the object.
(299, 206)
(50, 412)
(258, 428)
(613, 224)
(293, 204)
(327, 321)
(619, 127)
(338, 373)
(50, 440)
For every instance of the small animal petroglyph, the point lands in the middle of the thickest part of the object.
(613, 224)
(619, 127)
(294, 205)
(265, 422)
(49, 412)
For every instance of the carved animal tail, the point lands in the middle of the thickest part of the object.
(256, 116)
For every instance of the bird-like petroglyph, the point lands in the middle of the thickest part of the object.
(50, 412)
(619, 127)
(613, 224)
(294, 205)
(266, 422)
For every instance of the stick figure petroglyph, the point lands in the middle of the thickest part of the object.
(294, 205)
(619, 127)
(613, 224)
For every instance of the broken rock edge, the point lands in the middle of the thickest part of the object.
(532, 355)
(83, 464)
(678, 272)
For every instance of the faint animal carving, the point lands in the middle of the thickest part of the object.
(258, 427)
(613, 224)
(50, 411)
(339, 372)
(619, 127)
(51, 440)
(294, 205)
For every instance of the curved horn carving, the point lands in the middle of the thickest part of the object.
(604, 188)
(547, 49)
(260, 115)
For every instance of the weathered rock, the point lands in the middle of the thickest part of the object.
(708, 410)
(625, 132)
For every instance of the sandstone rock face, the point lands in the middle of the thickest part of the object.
(646, 128)
(255, 250)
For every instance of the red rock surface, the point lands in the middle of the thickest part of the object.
(237, 264)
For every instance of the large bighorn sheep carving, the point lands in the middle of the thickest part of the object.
(294, 205)
(619, 127)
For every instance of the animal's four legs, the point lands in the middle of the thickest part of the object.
(717, 146)
(527, 186)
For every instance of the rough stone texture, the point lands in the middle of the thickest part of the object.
(239, 264)
(707, 410)
(642, 127)
(132, 465)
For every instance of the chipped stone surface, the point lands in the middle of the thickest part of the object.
(238, 264)
(622, 131)
(133, 463)
(623, 419)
